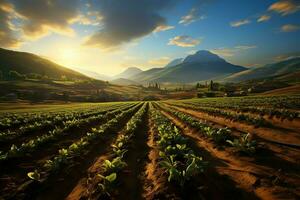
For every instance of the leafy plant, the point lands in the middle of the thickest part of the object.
(114, 166)
(35, 175)
(244, 144)
(106, 184)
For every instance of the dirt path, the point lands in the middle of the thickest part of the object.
(130, 181)
(289, 125)
(272, 135)
(156, 185)
(69, 175)
(283, 157)
(247, 175)
(131, 185)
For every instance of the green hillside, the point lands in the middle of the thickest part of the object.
(282, 68)
(27, 63)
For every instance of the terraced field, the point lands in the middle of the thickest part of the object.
(213, 148)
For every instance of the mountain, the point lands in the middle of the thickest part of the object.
(203, 56)
(129, 72)
(203, 65)
(93, 74)
(282, 68)
(124, 81)
(147, 76)
(26, 63)
(174, 62)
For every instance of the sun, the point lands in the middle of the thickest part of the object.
(68, 56)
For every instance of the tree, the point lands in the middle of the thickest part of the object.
(211, 86)
(1, 75)
(13, 75)
(33, 76)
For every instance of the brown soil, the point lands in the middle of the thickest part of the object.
(156, 185)
(131, 185)
(289, 154)
(130, 182)
(272, 135)
(263, 181)
(290, 125)
(66, 178)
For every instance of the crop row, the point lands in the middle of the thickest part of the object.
(38, 142)
(271, 112)
(273, 102)
(177, 159)
(221, 136)
(67, 156)
(55, 120)
(105, 180)
(245, 118)
(13, 120)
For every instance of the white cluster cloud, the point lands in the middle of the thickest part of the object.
(285, 7)
(264, 18)
(191, 17)
(289, 28)
(184, 41)
(229, 52)
(240, 23)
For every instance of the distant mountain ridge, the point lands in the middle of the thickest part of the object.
(129, 72)
(203, 56)
(203, 65)
(284, 67)
(93, 74)
(174, 62)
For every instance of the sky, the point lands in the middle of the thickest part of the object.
(107, 36)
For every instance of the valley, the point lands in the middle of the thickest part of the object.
(149, 100)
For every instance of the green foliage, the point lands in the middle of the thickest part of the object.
(14, 75)
(113, 166)
(178, 160)
(35, 175)
(244, 144)
(107, 183)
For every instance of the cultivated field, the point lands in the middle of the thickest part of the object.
(211, 148)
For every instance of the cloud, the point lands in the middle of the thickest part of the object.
(159, 61)
(191, 17)
(286, 56)
(264, 18)
(126, 21)
(289, 28)
(163, 28)
(240, 23)
(285, 7)
(245, 47)
(7, 36)
(39, 18)
(229, 52)
(184, 41)
(90, 18)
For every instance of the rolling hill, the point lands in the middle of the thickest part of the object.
(93, 74)
(203, 65)
(129, 72)
(284, 68)
(26, 63)
(174, 62)
(123, 81)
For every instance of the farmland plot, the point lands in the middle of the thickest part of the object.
(226, 148)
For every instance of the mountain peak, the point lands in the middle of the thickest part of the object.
(203, 56)
(127, 73)
(174, 62)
